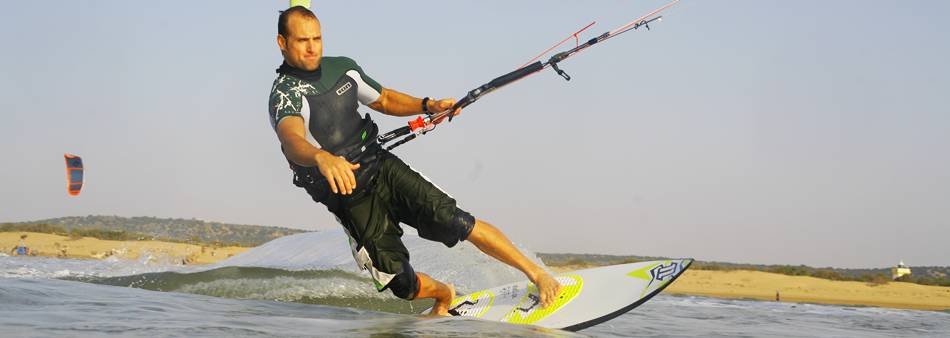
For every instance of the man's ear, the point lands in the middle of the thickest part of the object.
(282, 43)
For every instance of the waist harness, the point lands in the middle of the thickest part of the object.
(364, 151)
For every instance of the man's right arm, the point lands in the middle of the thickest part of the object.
(337, 170)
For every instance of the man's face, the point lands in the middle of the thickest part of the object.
(303, 45)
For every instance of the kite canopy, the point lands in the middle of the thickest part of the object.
(73, 174)
(305, 3)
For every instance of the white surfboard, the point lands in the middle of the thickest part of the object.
(588, 297)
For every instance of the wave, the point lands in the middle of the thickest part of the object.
(326, 287)
(37, 267)
(57, 308)
(317, 268)
(463, 265)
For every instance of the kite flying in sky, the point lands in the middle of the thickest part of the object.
(73, 174)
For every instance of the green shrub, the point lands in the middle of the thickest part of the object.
(875, 278)
(800, 270)
(41, 228)
(828, 274)
(112, 235)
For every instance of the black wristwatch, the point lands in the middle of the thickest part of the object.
(425, 106)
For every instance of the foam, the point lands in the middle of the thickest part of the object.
(463, 265)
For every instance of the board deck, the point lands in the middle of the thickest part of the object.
(588, 297)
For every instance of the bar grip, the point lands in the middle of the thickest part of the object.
(515, 75)
(393, 134)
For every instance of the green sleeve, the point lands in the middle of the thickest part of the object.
(286, 98)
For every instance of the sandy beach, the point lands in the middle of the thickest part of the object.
(50, 245)
(744, 284)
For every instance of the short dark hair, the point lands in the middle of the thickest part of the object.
(285, 15)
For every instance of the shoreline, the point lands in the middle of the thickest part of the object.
(735, 284)
(50, 245)
(763, 286)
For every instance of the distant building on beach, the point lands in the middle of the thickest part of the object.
(899, 271)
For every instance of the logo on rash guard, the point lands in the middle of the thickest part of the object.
(343, 89)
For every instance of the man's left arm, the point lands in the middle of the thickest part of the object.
(392, 102)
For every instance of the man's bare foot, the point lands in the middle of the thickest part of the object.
(441, 307)
(548, 288)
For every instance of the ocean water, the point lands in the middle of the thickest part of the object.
(308, 285)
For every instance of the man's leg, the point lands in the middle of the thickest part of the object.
(442, 293)
(436, 216)
(493, 242)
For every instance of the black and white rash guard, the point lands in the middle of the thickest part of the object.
(327, 99)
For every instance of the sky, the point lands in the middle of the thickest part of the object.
(777, 132)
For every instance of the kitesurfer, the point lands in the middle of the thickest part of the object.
(334, 155)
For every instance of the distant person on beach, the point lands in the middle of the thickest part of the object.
(334, 155)
(21, 249)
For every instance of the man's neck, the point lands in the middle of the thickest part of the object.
(307, 75)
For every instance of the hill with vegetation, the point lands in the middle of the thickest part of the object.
(926, 275)
(149, 228)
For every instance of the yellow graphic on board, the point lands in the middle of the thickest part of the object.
(529, 309)
(643, 273)
(473, 305)
(662, 271)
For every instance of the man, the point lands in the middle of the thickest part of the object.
(334, 156)
(21, 249)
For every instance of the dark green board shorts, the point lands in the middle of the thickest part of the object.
(371, 217)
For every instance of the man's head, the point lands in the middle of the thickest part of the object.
(299, 38)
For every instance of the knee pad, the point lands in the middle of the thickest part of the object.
(405, 285)
(449, 227)
(463, 222)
